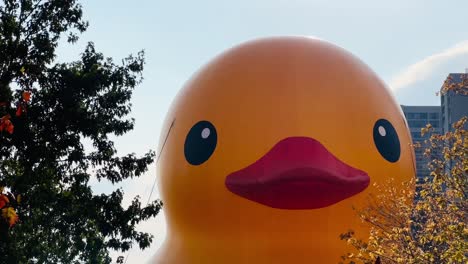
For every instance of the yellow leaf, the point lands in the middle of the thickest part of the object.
(10, 215)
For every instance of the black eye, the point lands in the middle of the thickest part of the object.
(386, 140)
(200, 143)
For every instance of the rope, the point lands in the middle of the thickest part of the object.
(155, 179)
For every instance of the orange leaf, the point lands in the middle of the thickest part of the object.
(3, 200)
(10, 127)
(26, 96)
(5, 123)
(5, 117)
(14, 220)
(19, 111)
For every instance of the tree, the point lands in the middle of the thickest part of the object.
(43, 161)
(429, 226)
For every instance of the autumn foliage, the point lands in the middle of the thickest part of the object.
(8, 216)
(429, 225)
(6, 125)
(8, 212)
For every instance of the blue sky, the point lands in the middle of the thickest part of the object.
(412, 45)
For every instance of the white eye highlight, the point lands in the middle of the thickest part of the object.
(205, 133)
(382, 131)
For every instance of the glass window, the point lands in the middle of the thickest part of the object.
(416, 135)
(417, 123)
(422, 115)
(434, 116)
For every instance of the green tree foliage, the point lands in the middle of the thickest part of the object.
(43, 160)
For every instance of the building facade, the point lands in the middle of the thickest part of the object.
(418, 117)
(454, 105)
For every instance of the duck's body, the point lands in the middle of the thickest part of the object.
(267, 149)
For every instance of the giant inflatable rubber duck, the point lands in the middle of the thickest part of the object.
(267, 149)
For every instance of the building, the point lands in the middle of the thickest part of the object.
(418, 117)
(454, 105)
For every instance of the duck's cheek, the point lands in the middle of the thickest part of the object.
(384, 175)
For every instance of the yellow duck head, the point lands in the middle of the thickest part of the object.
(267, 149)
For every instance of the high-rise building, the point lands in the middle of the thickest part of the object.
(454, 105)
(418, 117)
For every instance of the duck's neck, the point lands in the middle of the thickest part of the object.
(228, 250)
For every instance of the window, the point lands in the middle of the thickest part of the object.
(422, 115)
(416, 135)
(434, 123)
(417, 123)
(434, 116)
(417, 115)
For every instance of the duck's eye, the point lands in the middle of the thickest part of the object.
(200, 143)
(386, 140)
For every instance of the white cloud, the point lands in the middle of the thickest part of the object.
(423, 69)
